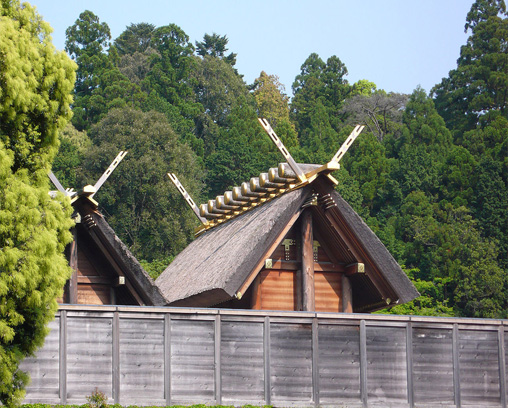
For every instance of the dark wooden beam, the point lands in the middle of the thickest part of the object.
(102, 280)
(355, 268)
(308, 297)
(256, 294)
(73, 263)
(347, 295)
(116, 266)
(295, 265)
(336, 220)
(267, 253)
(298, 288)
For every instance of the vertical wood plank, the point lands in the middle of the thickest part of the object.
(266, 348)
(315, 362)
(409, 357)
(308, 298)
(116, 357)
(299, 290)
(255, 301)
(167, 358)
(242, 362)
(502, 365)
(347, 295)
(73, 263)
(456, 370)
(217, 344)
(63, 357)
(363, 364)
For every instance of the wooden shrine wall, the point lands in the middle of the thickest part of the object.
(278, 284)
(164, 356)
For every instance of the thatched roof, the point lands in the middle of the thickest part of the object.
(96, 228)
(214, 267)
(375, 250)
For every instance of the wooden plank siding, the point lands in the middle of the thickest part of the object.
(433, 365)
(479, 367)
(89, 355)
(141, 371)
(156, 356)
(242, 362)
(45, 373)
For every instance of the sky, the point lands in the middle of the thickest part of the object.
(397, 44)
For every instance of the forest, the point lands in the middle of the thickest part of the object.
(428, 174)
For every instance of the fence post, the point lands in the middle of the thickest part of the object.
(456, 368)
(363, 364)
(217, 342)
(266, 349)
(116, 357)
(315, 361)
(502, 365)
(167, 358)
(62, 368)
(409, 357)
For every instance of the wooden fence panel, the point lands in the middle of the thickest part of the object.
(386, 365)
(141, 360)
(192, 361)
(159, 356)
(479, 368)
(339, 363)
(291, 362)
(433, 365)
(242, 362)
(44, 368)
(89, 356)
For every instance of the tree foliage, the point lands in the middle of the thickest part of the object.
(215, 46)
(35, 87)
(428, 174)
(144, 208)
(476, 93)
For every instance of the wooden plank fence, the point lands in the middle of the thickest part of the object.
(167, 356)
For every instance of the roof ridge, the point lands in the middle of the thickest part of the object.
(286, 177)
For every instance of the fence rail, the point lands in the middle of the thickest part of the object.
(167, 356)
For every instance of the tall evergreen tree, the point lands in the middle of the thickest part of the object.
(170, 83)
(135, 38)
(477, 91)
(86, 43)
(142, 206)
(215, 46)
(321, 81)
(35, 86)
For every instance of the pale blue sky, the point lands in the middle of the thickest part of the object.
(397, 44)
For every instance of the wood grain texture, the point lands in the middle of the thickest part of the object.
(347, 295)
(89, 356)
(386, 365)
(307, 238)
(95, 294)
(291, 362)
(268, 358)
(479, 368)
(44, 366)
(432, 365)
(192, 361)
(277, 289)
(242, 362)
(141, 360)
(328, 291)
(339, 363)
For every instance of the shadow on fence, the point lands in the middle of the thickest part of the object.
(167, 356)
